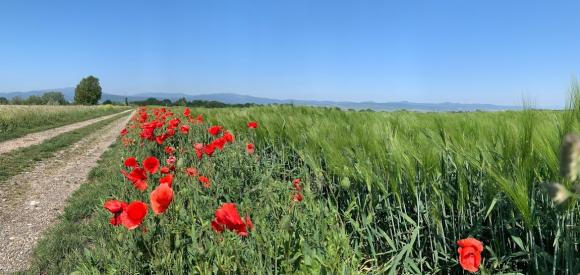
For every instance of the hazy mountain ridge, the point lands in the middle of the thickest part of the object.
(230, 98)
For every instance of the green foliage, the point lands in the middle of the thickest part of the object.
(54, 98)
(88, 91)
(49, 98)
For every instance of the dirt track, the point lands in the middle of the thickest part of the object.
(39, 137)
(46, 187)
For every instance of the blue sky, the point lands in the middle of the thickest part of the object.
(423, 51)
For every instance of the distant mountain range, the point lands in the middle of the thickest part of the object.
(241, 99)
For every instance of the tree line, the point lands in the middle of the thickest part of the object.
(185, 103)
(89, 92)
(50, 98)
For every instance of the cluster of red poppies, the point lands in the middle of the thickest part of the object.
(218, 143)
(158, 129)
(131, 215)
(297, 191)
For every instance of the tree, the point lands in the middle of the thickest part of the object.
(16, 101)
(181, 102)
(34, 100)
(4, 101)
(54, 98)
(88, 92)
(166, 102)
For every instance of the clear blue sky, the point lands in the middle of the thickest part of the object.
(422, 51)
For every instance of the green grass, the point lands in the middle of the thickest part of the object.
(17, 121)
(18, 161)
(384, 193)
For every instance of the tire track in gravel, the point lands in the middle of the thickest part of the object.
(39, 137)
(47, 186)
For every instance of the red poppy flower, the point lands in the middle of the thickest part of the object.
(141, 185)
(174, 122)
(209, 149)
(186, 112)
(169, 150)
(227, 217)
(164, 170)
(134, 214)
(151, 164)
(131, 162)
(252, 125)
(214, 130)
(219, 143)
(297, 197)
(192, 172)
(116, 207)
(296, 183)
(137, 177)
(470, 254)
(171, 160)
(198, 150)
(166, 180)
(137, 174)
(199, 118)
(217, 227)
(229, 137)
(160, 198)
(160, 139)
(250, 148)
(124, 132)
(184, 129)
(205, 181)
(169, 133)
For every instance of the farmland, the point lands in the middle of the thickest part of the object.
(377, 192)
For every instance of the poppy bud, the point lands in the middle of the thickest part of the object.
(345, 183)
(180, 163)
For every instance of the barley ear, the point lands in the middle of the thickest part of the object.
(569, 154)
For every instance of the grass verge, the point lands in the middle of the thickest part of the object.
(68, 239)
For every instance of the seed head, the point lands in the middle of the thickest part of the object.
(558, 192)
(569, 154)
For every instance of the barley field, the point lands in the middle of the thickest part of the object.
(286, 189)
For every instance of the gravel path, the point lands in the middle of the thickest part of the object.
(37, 138)
(43, 191)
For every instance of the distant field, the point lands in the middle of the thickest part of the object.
(383, 192)
(18, 120)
